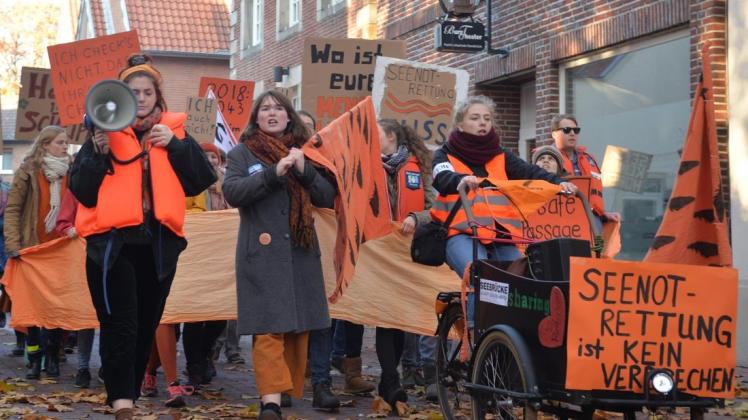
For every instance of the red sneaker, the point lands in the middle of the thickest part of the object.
(176, 394)
(148, 389)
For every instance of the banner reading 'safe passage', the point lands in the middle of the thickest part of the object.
(627, 318)
(339, 73)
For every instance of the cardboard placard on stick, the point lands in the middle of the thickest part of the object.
(625, 169)
(339, 73)
(76, 66)
(420, 95)
(201, 119)
(627, 318)
(234, 100)
(37, 107)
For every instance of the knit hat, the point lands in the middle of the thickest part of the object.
(212, 148)
(547, 150)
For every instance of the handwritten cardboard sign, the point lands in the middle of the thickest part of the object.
(625, 169)
(627, 318)
(563, 216)
(420, 95)
(201, 119)
(339, 73)
(37, 107)
(234, 100)
(76, 66)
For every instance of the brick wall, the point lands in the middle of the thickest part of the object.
(182, 77)
(539, 34)
(258, 65)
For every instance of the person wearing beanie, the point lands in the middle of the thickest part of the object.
(131, 185)
(548, 158)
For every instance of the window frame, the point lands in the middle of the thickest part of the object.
(333, 8)
(9, 152)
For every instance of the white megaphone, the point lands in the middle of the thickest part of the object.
(110, 105)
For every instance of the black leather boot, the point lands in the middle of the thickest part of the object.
(35, 365)
(52, 361)
(324, 398)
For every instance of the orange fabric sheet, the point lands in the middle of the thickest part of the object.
(694, 229)
(48, 283)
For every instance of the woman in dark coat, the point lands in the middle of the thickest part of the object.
(280, 288)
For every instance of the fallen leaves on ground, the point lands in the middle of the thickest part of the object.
(380, 407)
(402, 408)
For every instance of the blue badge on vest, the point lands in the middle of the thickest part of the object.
(257, 167)
(413, 180)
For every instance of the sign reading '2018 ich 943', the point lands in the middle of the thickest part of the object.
(457, 36)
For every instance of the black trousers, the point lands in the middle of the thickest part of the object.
(199, 338)
(129, 307)
(389, 344)
(42, 339)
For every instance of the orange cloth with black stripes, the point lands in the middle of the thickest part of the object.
(120, 199)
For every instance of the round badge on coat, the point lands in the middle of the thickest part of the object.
(265, 238)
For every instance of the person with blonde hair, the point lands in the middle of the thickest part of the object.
(30, 218)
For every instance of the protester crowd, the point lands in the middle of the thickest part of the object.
(132, 249)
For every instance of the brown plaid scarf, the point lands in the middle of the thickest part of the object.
(270, 150)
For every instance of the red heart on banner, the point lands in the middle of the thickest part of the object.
(552, 328)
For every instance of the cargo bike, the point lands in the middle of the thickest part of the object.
(508, 372)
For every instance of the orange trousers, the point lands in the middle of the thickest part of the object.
(279, 361)
(164, 352)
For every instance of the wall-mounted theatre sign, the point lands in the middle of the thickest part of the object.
(460, 36)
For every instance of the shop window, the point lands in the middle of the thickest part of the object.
(636, 97)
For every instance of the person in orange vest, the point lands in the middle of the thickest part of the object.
(131, 185)
(470, 157)
(577, 162)
(407, 163)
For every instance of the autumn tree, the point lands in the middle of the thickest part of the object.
(24, 37)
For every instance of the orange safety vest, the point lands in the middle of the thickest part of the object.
(120, 199)
(589, 167)
(489, 206)
(410, 192)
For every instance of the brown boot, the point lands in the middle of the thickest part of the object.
(354, 383)
(124, 414)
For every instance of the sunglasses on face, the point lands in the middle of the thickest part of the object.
(568, 130)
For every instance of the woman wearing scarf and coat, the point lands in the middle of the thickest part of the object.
(472, 152)
(30, 217)
(131, 186)
(280, 288)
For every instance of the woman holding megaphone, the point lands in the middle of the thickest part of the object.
(131, 185)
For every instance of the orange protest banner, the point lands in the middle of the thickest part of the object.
(627, 318)
(76, 66)
(349, 148)
(234, 100)
(563, 216)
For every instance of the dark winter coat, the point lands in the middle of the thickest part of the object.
(279, 286)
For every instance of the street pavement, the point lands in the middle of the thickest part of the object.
(231, 395)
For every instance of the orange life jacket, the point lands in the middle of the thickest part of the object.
(589, 167)
(410, 192)
(489, 206)
(120, 199)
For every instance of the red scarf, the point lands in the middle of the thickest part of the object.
(472, 149)
(270, 150)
